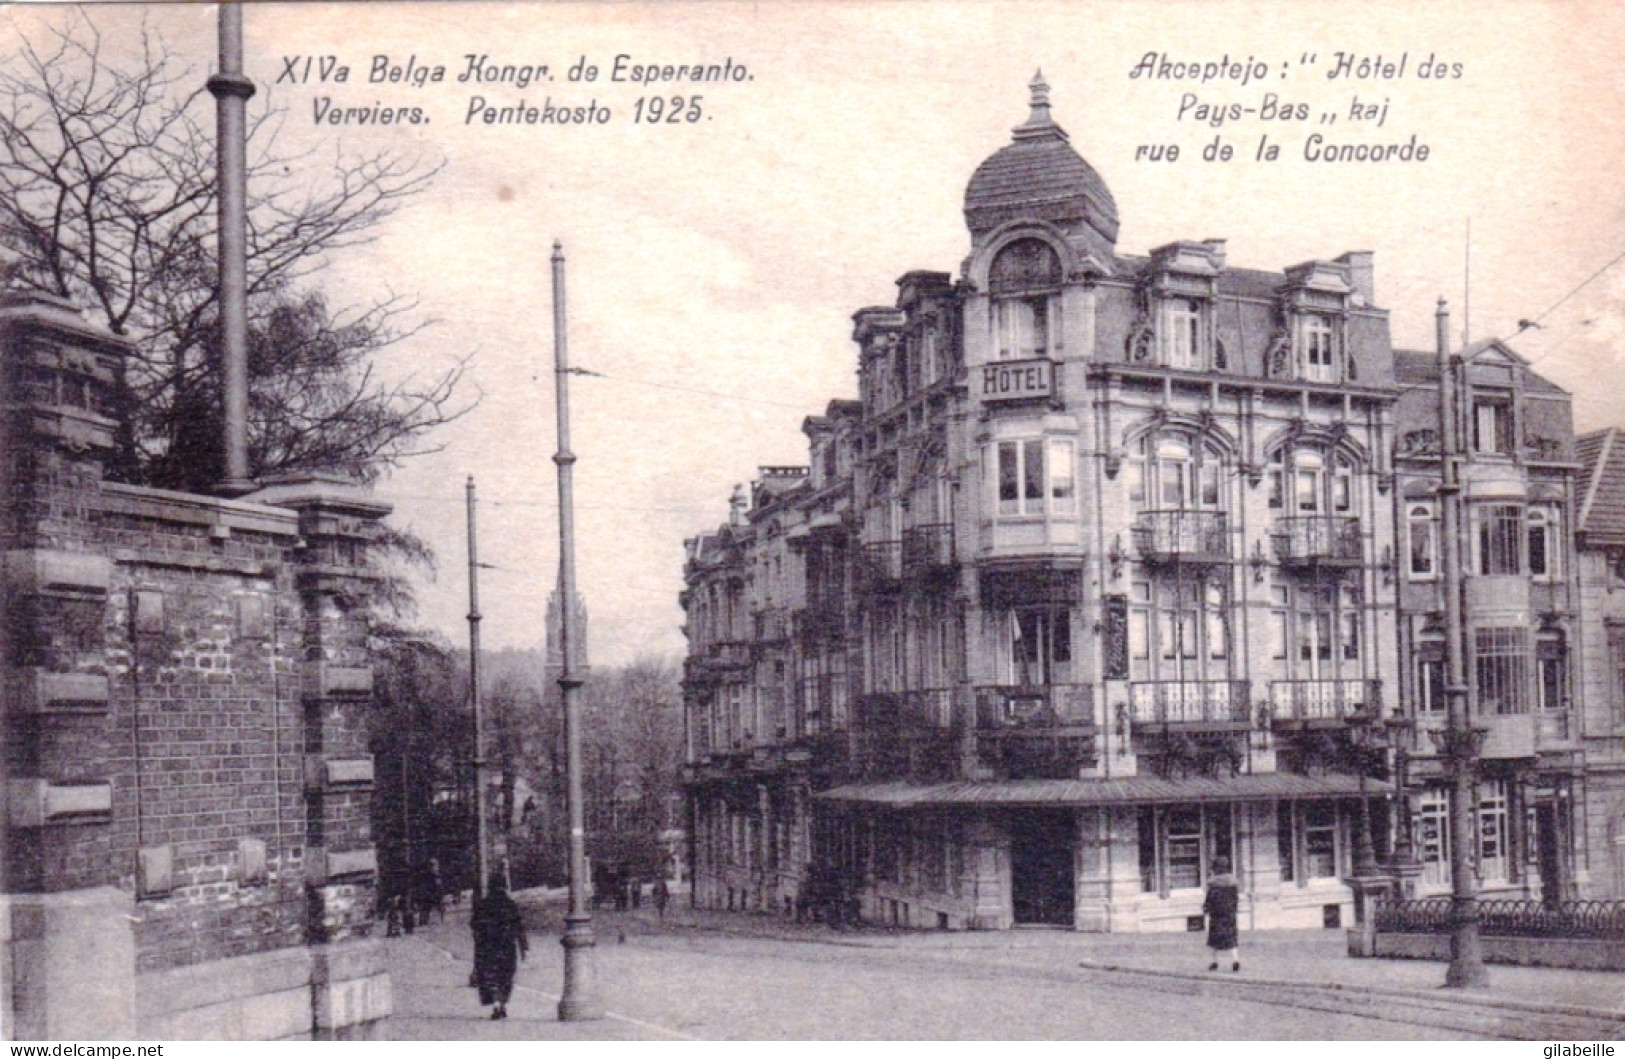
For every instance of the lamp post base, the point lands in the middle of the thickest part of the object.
(1466, 969)
(578, 1002)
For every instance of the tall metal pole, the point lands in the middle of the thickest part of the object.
(231, 91)
(481, 856)
(577, 1002)
(1460, 740)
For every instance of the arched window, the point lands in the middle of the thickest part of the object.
(1171, 473)
(1311, 482)
(1024, 281)
(1545, 548)
(1422, 544)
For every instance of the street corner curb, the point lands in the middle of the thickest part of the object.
(1474, 1014)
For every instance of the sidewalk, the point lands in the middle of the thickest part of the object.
(429, 970)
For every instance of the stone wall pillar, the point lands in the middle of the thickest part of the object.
(337, 523)
(67, 957)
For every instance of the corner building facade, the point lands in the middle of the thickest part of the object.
(1097, 583)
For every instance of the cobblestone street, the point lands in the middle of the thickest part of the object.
(715, 976)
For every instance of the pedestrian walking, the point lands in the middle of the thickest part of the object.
(499, 944)
(662, 896)
(1223, 898)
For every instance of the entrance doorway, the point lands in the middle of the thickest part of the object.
(1041, 871)
(1549, 852)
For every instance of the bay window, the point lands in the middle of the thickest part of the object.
(1035, 476)
(1501, 669)
(1499, 549)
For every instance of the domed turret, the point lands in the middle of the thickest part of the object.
(1038, 176)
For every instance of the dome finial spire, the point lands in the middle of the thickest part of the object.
(1040, 91)
(1039, 123)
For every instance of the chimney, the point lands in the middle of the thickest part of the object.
(1441, 330)
(736, 506)
(231, 91)
(1362, 273)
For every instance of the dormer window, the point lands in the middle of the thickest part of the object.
(1492, 428)
(1025, 281)
(1317, 345)
(1180, 334)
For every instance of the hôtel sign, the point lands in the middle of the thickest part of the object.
(1017, 380)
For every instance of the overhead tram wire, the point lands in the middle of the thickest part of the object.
(687, 389)
(1527, 324)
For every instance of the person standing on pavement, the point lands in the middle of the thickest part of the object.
(1223, 899)
(662, 895)
(499, 944)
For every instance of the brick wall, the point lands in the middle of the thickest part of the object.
(181, 673)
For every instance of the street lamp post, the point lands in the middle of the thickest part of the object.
(576, 1003)
(481, 845)
(1460, 742)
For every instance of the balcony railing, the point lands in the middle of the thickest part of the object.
(1189, 702)
(929, 547)
(728, 653)
(1035, 706)
(1182, 536)
(880, 565)
(1317, 540)
(1304, 701)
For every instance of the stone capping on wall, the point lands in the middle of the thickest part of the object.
(37, 802)
(164, 505)
(323, 680)
(31, 689)
(155, 871)
(323, 865)
(40, 572)
(321, 773)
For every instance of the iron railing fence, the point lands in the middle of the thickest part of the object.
(1517, 919)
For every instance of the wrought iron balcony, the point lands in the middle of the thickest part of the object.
(1318, 540)
(1182, 536)
(928, 548)
(1189, 702)
(1035, 706)
(1324, 702)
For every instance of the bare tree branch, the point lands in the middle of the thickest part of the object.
(107, 198)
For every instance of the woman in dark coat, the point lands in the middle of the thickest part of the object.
(1223, 897)
(499, 944)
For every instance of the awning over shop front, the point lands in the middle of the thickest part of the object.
(1131, 790)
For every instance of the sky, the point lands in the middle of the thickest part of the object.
(714, 264)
